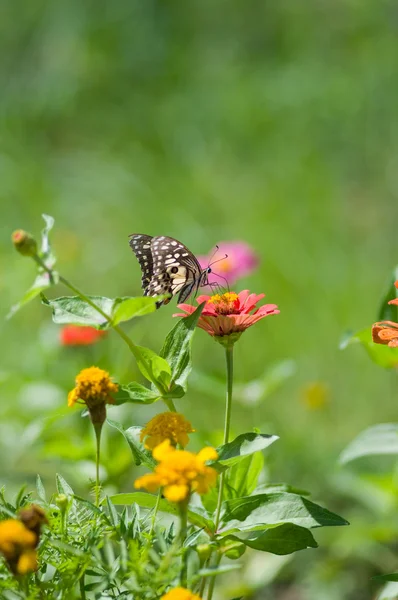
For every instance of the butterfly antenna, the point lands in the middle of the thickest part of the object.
(218, 260)
(216, 249)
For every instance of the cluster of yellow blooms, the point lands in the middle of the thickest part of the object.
(19, 539)
(180, 593)
(179, 472)
(166, 426)
(93, 387)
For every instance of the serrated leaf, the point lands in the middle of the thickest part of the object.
(73, 309)
(279, 539)
(149, 501)
(136, 393)
(378, 439)
(254, 512)
(177, 351)
(380, 354)
(141, 455)
(243, 445)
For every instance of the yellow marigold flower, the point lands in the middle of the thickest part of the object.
(93, 387)
(166, 426)
(17, 544)
(180, 472)
(180, 593)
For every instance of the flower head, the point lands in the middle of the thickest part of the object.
(93, 388)
(80, 335)
(385, 332)
(240, 261)
(166, 426)
(226, 316)
(17, 544)
(180, 593)
(180, 472)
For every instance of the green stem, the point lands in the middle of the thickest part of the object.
(182, 536)
(227, 423)
(170, 404)
(229, 356)
(97, 429)
(82, 590)
(213, 579)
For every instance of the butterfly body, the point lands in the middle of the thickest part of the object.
(167, 267)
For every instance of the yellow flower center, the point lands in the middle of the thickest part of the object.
(93, 386)
(225, 304)
(166, 426)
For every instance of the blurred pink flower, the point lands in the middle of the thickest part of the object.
(241, 261)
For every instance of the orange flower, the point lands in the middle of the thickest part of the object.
(385, 332)
(180, 472)
(229, 315)
(80, 335)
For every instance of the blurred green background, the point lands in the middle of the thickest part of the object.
(270, 122)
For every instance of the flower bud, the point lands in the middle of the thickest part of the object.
(204, 552)
(24, 243)
(62, 501)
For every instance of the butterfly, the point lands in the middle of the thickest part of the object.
(167, 267)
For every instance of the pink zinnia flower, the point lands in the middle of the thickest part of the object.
(241, 261)
(80, 335)
(227, 316)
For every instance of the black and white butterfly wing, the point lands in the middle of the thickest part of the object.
(173, 269)
(141, 246)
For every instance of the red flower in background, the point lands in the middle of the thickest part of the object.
(229, 314)
(80, 335)
(241, 261)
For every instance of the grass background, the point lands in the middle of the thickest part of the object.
(274, 123)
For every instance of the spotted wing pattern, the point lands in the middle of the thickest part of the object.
(141, 246)
(172, 268)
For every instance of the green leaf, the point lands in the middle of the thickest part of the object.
(149, 501)
(62, 486)
(254, 512)
(389, 577)
(41, 492)
(243, 476)
(72, 309)
(135, 392)
(154, 368)
(279, 539)
(41, 283)
(211, 571)
(45, 252)
(378, 439)
(389, 312)
(243, 445)
(380, 354)
(141, 455)
(177, 351)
